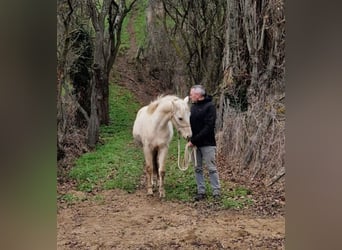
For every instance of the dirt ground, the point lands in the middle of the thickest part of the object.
(119, 220)
(115, 219)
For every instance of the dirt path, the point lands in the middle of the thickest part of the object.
(118, 220)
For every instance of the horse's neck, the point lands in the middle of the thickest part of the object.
(162, 120)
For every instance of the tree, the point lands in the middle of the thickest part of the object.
(107, 17)
(190, 34)
(251, 111)
(85, 56)
(65, 10)
(73, 54)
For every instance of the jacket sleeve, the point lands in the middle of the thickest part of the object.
(208, 125)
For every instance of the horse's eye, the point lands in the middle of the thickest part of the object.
(180, 118)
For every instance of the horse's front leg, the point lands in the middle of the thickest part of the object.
(149, 170)
(161, 160)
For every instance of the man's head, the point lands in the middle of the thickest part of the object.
(197, 93)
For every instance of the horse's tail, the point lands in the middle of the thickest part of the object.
(155, 163)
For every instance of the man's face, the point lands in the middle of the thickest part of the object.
(194, 96)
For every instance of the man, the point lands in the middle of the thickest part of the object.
(202, 121)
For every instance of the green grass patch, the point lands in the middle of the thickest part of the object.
(117, 162)
(125, 41)
(69, 198)
(235, 197)
(139, 25)
(179, 185)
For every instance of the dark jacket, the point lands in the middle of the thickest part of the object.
(202, 121)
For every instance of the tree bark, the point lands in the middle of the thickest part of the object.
(62, 72)
(93, 124)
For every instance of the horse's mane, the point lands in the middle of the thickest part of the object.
(161, 98)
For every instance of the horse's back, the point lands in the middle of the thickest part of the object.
(144, 129)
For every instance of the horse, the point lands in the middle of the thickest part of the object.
(153, 131)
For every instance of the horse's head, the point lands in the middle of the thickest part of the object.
(181, 117)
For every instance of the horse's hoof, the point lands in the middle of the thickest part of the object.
(150, 192)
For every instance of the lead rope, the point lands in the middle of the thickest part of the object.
(187, 156)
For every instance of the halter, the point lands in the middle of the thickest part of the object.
(173, 117)
(176, 122)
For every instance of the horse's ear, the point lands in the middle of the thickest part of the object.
(186, 99)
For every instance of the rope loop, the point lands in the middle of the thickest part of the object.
(187, 156)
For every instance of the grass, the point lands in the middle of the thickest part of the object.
(237, 197)
(124, 46)
(139, 24)
(69, 198)
(179, 185)
(116, 162)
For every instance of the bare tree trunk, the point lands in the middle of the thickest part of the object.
(93, 124)
(61, 74)
(100, 82)
(102, 93)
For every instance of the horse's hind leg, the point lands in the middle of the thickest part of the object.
(149, 170)
(149, 179)
(155, 168)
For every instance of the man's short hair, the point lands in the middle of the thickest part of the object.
(199, 89)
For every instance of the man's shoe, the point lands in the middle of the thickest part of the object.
(199, 197)
(217, 197)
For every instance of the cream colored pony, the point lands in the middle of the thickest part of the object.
(153, 130)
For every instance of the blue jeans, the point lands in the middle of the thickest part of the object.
(207, 154)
